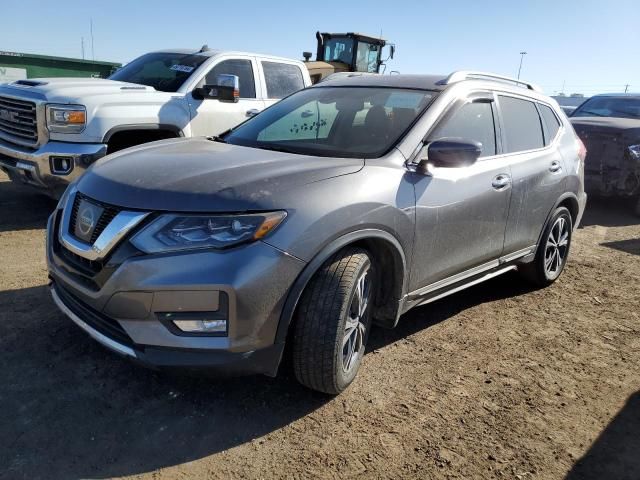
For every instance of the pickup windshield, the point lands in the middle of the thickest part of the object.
(161, 70)
(621, 107)
(362, 122)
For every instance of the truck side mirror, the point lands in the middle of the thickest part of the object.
(226, 89)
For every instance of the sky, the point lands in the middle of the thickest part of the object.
(589, 46)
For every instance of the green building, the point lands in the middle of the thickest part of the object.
(18, 66)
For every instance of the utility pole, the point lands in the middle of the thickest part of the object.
(93, 55)
(626, 88)
(82, 46)
(522, 54)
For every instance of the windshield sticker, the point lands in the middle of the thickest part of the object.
(182, 68)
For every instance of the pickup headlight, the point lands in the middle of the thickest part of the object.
(634, 151)
(174, 232)
(66, 118)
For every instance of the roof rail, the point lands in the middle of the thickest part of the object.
(469, 74)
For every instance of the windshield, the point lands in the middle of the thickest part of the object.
(163, 71)
(621, 107)
(339, 50)
(362, 122)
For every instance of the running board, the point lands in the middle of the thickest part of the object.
(476, 281)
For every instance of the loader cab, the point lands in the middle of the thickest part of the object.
(346, 52)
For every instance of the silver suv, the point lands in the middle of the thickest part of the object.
(342, 206)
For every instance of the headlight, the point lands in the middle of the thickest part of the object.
(66, 118)
(174, 232)
(634, 151)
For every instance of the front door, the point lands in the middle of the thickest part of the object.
(212, 117)
(461, 213)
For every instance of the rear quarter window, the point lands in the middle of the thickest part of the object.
(551, 123)
(282, 79)
(523, 130)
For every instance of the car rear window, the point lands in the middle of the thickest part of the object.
(551, 122)
(521, 123)
(282, 79)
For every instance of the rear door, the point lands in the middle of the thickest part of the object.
(211, 116)
(530, 130)
(280, 79)
(461, 213)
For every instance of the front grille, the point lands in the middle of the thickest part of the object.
(108, 214)
(95, 319)
(18, 121)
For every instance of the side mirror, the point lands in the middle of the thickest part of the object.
(450, 153)
(226, 89)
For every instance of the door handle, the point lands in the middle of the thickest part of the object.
(555, 167)
(253, 112)
(500, 182)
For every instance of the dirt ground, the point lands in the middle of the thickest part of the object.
(499, 381)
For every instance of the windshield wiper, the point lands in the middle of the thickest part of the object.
(217, 138)
(276, 148)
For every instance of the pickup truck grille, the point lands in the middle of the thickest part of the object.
(18, 121)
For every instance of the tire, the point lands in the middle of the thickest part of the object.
(547, 265)
(332, 322)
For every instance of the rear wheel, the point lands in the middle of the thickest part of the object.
(333, 321)
(553, 251)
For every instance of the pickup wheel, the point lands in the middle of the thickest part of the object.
(553, 251)
(332, 322)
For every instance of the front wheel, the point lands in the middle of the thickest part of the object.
(333, 321)
(553, 251)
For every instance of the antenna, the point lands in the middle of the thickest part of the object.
(93, 55)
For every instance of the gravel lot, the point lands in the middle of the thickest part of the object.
(499, 381)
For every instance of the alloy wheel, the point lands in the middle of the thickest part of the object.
(557, 247)
(355, 325)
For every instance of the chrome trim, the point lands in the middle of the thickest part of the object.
(456, 278)
(488, 276)
(515, 255)
(25, 166)
(96, 335)
(460, 75)
(41, 129)
(472, 272)
(121, 224)
(82, 154)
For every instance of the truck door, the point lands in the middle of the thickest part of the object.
(212, 117)
(280, 79)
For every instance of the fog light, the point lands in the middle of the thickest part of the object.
(61, 165)
(201, 326)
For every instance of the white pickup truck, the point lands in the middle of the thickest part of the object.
(52, 129)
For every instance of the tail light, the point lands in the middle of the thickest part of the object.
(582, 150)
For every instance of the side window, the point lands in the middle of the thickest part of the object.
(472, 121)
(241, 68)
(523, 129)
(282, 79)
(551, 122)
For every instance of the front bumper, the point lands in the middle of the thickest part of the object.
(126, 309)
(34, 167)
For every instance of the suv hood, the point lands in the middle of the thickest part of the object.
(67, 90)
(199, 175)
